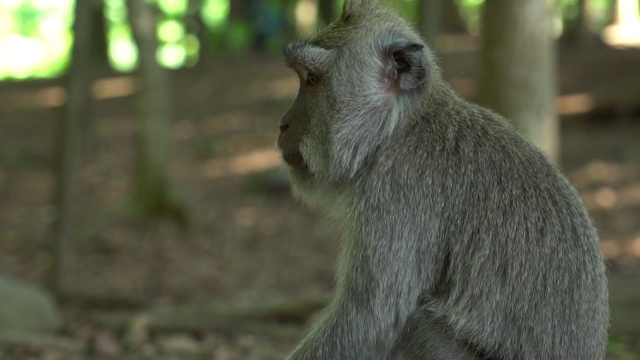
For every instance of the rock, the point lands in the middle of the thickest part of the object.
(26, 307)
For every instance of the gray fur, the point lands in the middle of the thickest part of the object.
(461, 240)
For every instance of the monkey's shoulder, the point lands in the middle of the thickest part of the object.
(469, 149)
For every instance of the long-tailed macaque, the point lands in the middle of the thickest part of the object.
(461, 239)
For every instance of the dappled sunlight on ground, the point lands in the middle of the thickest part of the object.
(56, 96)
(623, 36)
(605, 184)
(257, 161)
(47, 97)
(114, 87)
(611, 198)
(622, 247)
(572, 104)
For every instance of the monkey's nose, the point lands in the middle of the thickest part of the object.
(284, 127)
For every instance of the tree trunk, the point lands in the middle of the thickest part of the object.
(99, 44)
(197, 26)
(430, 15)
(328, 11)
(70, 143)
(452, 20)
(517, 77)
(152, 188)
(581, 35)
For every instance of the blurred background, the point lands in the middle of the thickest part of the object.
(144, 211)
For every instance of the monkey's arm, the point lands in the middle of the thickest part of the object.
(381, 276)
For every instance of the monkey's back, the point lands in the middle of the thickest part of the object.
(514, 230)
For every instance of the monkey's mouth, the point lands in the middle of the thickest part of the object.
(293, 158)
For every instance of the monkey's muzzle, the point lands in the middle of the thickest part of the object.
(293, 159)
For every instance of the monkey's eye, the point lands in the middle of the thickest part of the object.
(312, 79)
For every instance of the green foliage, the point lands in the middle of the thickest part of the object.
(174, 8)
(35, 35)
(471, 10)
(617, 348)
(601, 11)
(215, 13)
(34, 38)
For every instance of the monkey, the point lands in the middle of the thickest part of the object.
(460, 238)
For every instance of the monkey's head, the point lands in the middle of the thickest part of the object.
(361, 78)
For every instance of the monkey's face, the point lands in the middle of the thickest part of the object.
(304, 129)
(357, 80)
(295, 124)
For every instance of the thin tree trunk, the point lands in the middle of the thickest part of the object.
(452, 21)
(430, 15)
(70, 143)
(197, 26)
(152, 188)
(328, 10)
(99, 44)
(581, 35)
(517, 77)
(583, 32)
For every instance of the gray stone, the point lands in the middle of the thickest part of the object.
(24, 306)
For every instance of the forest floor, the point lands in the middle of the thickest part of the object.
(250, 243)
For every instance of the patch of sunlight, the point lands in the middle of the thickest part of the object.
(60, 4)
(123, 52)
(10, 4)
(7, 24)
(627, 35)
(574, 104)
(472, 3)
(626, 30)
(216, 12)
(115, 11)
(45, 52)
(253, 162)
(171, 31)
(25, 55)
(173, 7)
(114, 87)
(37, 99)
(306, 14)
(603, 172)
(172, 56)
(613, 248)
(52, 29)
(607, 197)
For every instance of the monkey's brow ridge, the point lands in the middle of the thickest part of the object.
(293, 49)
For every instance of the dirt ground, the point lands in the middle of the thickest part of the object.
(251, 243)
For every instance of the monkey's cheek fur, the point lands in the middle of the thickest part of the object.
(294, 159)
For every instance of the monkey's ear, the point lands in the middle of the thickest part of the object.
(405, 65)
